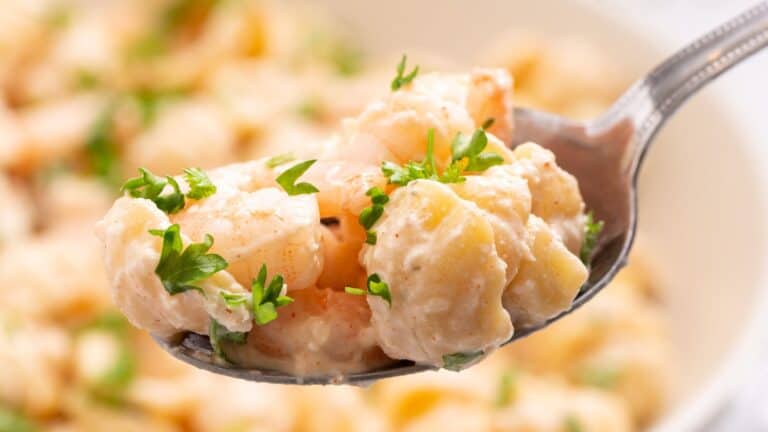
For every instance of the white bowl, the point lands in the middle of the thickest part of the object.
(702, 198)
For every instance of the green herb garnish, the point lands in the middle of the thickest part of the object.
(151, 187)
(601, 377)
(375, 287)
(200, 186)
(102, 149)
(507, 389)
(265, 299)
(572, 424)
(150, 100)
(411, 171)
(457, 361)
(158, 39)
(287, 180)
(86, 80)
(111, 386)
(179, 269)
(280, 159)
(217, 334)
(472, 148)
(12, 421)
(310, 109)
(371, 237)
(401, 79)
(592, 232)
(370, 215)
(467, 155)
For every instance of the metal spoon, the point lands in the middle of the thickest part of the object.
(605, 154)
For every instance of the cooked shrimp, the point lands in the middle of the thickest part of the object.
(395, 128)
(322, 332)
(265, 227)
(342, 242)
(190, 133)
(131, 255)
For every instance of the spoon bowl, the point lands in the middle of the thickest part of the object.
(604, 154)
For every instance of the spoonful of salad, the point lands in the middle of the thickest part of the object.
(436, 226)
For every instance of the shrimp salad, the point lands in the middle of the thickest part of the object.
(415, 205)
(308, 207)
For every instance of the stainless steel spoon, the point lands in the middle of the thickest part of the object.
(605, 154)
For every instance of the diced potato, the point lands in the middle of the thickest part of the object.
(437, 254)
(546, 284)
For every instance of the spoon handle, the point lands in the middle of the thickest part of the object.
(654, 98)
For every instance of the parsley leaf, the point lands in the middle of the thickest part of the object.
(572, 424)
(601, 377)
(235, 300)
(592, 232)
(151, 187)
(11, 421)
(370, 215)
(311, 109)
(217, 334)
(287, 180)
(472, 148)
(110, 387)
(507, 389)
(150, 100)
(411, 171)
(179, 269)
(371, 237)
(457, 361)
(401, 79)
(200, 186)
(280, 159)
(265, 299)
(102, 149)
(375, 287)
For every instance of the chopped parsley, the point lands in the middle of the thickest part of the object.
(151, 187)
(101, 148)
(12, 421)
(280, 159)
(572, 424)
(466, 156)
(110, 387)
(86, 80)
(178, 13)
(310, 109)
(458, 361)
(402, 79)
(592, 232)
(507, 391)
(265, 298)
(370, 215)
(180, 269)
(346, 58)
(472, 148)
(371, 237)
(287, 180)
(149, 101)
(600, 377)
(412, 170)
(200, 186)
(217, 334)
(375, 287)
